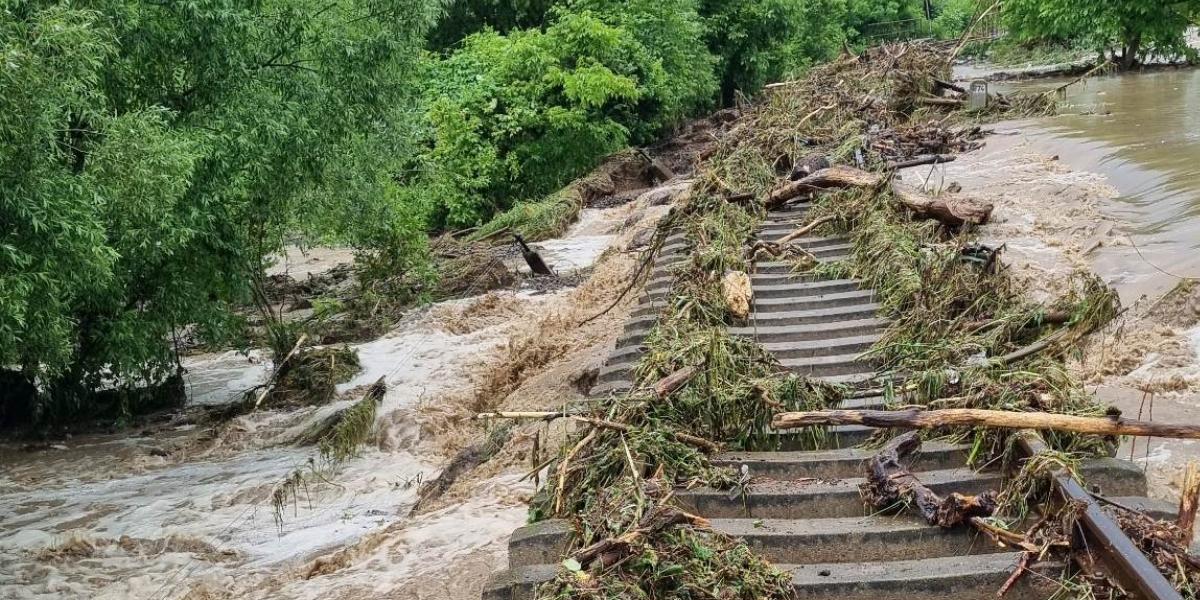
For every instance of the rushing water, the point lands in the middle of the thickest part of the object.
(1142, 131)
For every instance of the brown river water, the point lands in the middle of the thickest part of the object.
(1142, 132)
(1112, 184)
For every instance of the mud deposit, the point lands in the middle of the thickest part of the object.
(1111, 185)
(182, 510)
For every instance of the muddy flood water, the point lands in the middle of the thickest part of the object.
(1142, 132)
(1112, 184)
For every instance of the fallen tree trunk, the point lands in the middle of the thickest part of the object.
(951, 212)
(954, 213)
(889, 483)
(975, 417)
(834, 177)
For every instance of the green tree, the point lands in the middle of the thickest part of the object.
(759, 41)
(516, 116)
(153, 155)
(1131, 28)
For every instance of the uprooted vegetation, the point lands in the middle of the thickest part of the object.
(962, 334)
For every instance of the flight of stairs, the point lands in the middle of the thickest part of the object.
(802, 509)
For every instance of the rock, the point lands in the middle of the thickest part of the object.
(737, 291)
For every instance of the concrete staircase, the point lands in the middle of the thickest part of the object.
(802, 509)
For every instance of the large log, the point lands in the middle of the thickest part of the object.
(975, 417)
(834, 177)
(954, 213)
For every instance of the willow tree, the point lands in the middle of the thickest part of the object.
(152, 154)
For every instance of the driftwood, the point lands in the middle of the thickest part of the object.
(974, 417)
(671, 383)
(532, 258)
(270, 384)
(801, 231)
(951, 212)
(928, 159)
(833, 177)
(890, 483)
(954, 213)
(935, 101)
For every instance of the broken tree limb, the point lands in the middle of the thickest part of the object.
(266, 388)
(976, 417)
(890, 483)
(951, 212)
(611, 550)
(928, 159)
(834, 177)
(686, 438)
(935, 101)
(804, 230)
(946, 85)
(671, 383)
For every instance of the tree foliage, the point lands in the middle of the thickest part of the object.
(152, 155)
(516, 116)
(1130, 28)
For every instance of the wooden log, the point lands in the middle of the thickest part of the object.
(975, 417)
(834, 177)
(933, 101)
(890, 483)
(800, 231)
(928, 159)
(946, 85)
(671, 383)
(532, 258)
(954, 213)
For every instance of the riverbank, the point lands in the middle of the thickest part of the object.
(1103, 187)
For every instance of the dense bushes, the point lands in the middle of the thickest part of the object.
(153, 155)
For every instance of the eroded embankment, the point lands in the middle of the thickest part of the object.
(190, 508)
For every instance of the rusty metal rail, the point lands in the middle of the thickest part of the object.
(1122, 557)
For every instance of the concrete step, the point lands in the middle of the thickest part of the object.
(847, 345)
(783, 499)
(834, 540)
(834, 314)
(824, 366)
(835, 464)
(823, 438)
(968, 577)
(832, 300)
(816, 331)
(798, 289)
